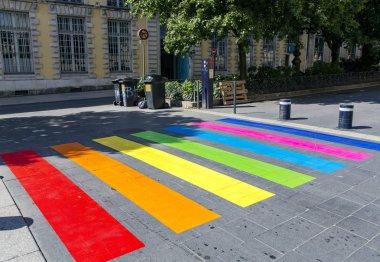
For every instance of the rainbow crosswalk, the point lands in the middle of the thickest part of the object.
(90, 233)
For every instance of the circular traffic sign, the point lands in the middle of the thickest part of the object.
(143, 34)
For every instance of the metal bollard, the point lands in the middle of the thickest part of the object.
(285, 108)
(346, 113)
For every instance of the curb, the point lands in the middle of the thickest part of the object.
(294, 125)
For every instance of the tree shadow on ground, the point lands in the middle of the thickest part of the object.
(13, 109)
(40, 132)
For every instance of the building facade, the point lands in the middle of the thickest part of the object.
(50, 45)
(272, 52)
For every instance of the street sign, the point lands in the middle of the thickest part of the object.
(143, 34)
(214, 52)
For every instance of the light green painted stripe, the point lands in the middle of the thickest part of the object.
(258, 168)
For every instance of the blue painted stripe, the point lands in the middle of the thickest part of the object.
(305, 133)
(316, 163)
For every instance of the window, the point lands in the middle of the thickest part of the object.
(220, 45)
(72, 46)
(251, 54)
(116, 3)
(318, 49)
(352, 54)
(15, 43)
(119, 46)
(269, 49)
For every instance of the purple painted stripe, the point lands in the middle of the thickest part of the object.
(294, 142)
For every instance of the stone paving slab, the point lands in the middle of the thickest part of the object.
(364, 254)
(290, 234)
(31, 257)
(333, 244)
(332, 218)
(15, 237)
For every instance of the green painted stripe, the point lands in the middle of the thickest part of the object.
(258, 168)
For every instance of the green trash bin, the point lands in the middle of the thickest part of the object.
(155, 91)
(128, 91)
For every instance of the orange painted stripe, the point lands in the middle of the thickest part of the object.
(169, 207)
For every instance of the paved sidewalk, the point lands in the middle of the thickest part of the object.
(335, 217)
(17, 242)
(322, 110)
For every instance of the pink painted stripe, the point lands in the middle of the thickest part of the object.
(294, 142)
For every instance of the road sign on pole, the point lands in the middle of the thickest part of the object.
(143, 34)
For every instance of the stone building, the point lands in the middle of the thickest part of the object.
(48, 46)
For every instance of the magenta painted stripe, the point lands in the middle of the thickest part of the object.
(294, 142)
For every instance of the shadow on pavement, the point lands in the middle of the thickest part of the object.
(13, 109)
(39, 133)
(14, 222)
(361, 127)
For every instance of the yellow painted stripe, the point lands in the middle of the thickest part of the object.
(169, 207)
(226, 187)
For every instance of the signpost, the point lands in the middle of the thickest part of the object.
(207, 84)
(143, 34)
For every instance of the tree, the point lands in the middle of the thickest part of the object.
(189, 22)
(335, 20)
(369, 31)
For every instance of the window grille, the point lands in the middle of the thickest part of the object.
(119, 46)
(269, 49)
(15, 43)
(251, 54)
(116, 3)
(352, 54)
(72, 45)
(220, 45)
(319, 48)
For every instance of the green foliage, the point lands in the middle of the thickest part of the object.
(323, 68)
(189, 22)
(177, 91)
(265, 73)
(173, 90)
(187, 89)
(140, 88)
(369, 22)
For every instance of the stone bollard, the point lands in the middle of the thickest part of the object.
(346, 113)
(285, 107)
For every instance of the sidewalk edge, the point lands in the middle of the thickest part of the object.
(294, 125)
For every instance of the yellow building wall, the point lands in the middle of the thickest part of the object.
(303, 51)
(141, 23)
(259, 52)
(47, 71)
(281, 52)
(233, 56)
(98, 40)
(205, 48)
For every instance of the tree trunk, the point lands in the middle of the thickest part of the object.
(242, 61)
(367, 58)
(335, 52)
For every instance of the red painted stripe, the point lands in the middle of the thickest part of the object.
(85, 228)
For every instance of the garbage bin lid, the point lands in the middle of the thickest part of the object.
(127, 80)
(154, 78)
(116, 80)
